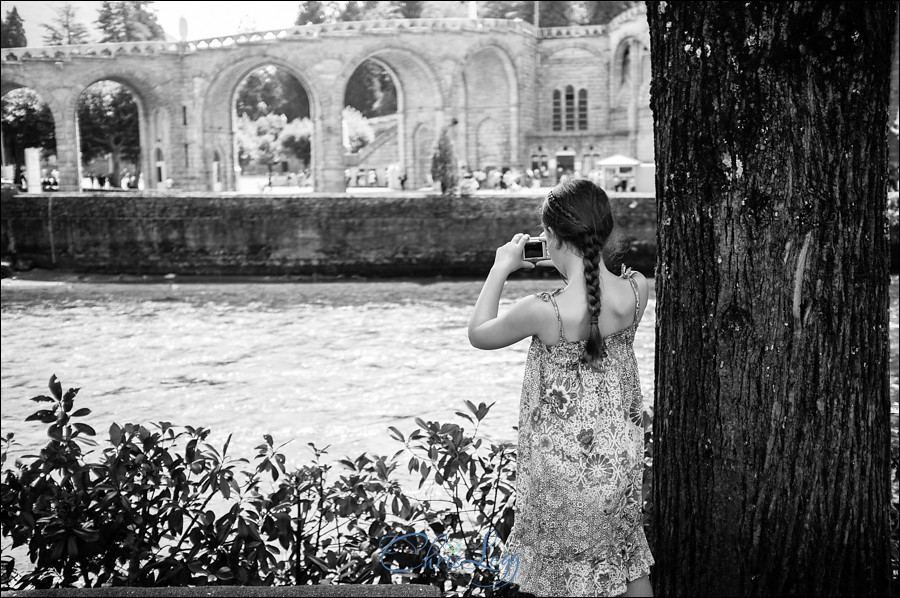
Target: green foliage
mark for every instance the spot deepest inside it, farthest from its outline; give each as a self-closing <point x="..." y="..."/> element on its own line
<point x="258" y="139"/>
<point x="108" y="124"/>
<point x="161" y="506"/>
<point x="272" y="90"/>
<point x="13" y="31"/>
<point x="312" y="13"/>
<point x="295" y="139"/>
<point x="26" y="122"/>
<point x="359" y="132"/>
<point x="371" y="90"/>
<point x="65" y="30"/>
<point x="443" y="163"/>
<point x="128" y="22"/>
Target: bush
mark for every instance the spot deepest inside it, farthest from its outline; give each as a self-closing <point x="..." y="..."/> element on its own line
<point x="443" y="164"/>
<point x="145" y="511"/>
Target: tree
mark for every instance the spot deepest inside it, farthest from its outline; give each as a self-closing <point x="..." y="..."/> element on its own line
<point x="295" y="139"/>
<point x="258" y="140"/>
<point x="603" y="12"/>
<point x="65" y="30"/>
<point x="410" y="9"/>
<point x="444" y="168"/>
<point x="313" y="13"/>
<point x="108" y="124"/>
<point x="371" y="90"/>
<point x="13" y="35"/>
<point x="270" y="89"/>
<point x="26" y="122"/>
<point x="359" y="132"/>
<point x="772" y="443"/>
<point x="128" y="22"/>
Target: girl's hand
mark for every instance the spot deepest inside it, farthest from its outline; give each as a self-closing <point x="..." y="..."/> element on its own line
<point x="509" y="257"/>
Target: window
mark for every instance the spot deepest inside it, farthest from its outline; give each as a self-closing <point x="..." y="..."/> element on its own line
<point x="570" y="108"/>
<point x="624" y="74"/>
<point x="582" y="110"/>
<point x="557" y="110"/>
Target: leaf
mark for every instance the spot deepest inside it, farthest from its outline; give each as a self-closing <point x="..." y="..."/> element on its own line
<point x="81" y="412"/>
<point x="84" y="428"/>
<point x="42" y="398"/>
<point x="115" y="434"/>
<point x="70" y="394"/>
<point x="41" y="415"/>
<point x="421" y="423"/>
<point x="55" y="432"/>
<point x="397" y="434"/>
<point x="55" y="387"/>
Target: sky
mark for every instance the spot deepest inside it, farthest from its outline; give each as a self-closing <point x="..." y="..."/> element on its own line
<point x="205" y="19"/>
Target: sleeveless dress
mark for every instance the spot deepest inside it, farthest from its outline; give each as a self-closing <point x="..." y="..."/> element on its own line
<point x="578" y="525"/>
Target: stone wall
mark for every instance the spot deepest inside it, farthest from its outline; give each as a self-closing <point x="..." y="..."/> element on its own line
<point x="388" y="235"/>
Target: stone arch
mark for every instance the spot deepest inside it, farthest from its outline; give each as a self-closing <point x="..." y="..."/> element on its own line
<point x="423" y="142"/>
<point x="420" y="101"/>
<point x="384" y="153"/>
<point x="494" y="99"/>
<point x="10" y="85"/>
<point x="142" y="90"/>
<point x="626" y="69"/>
<point x="218" y="113"/>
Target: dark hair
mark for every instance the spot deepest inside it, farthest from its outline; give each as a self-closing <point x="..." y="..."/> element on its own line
<point x="579" y="213"/>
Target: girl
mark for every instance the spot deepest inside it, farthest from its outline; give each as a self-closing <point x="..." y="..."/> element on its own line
<point x="577" y="529"/>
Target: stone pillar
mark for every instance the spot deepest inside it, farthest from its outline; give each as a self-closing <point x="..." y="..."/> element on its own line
<point x="67" y="142"/>
<point x="330" y="166"/>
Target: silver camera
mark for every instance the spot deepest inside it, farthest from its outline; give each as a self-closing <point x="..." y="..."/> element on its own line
<point x="535" y="250"/>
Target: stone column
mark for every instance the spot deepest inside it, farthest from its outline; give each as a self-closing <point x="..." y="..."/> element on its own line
<point x="329" y="164"/>
<point x="63" y="108"/>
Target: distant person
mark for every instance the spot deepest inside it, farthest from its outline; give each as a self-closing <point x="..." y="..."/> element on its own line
<point x="574" y="473"/>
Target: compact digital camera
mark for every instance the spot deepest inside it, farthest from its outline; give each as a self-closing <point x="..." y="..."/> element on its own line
<point x="535" y="250"/>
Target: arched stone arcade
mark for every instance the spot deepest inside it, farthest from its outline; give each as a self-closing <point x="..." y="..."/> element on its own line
<point x="491" y="75"/>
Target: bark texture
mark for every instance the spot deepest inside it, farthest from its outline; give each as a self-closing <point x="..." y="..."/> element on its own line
<point x="772" y="456"/>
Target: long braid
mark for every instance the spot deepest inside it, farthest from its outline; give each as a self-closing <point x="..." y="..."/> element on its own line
<point x="595" y="349"/>
<point x="579" y="213"/>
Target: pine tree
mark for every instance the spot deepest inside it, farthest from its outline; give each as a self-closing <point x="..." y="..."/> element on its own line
<point x="65" y="30"/>
<point x="13" y="30"/>
<point x="128" y="22"/>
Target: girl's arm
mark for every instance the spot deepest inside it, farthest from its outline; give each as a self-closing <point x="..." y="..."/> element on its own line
<point x="486" y="330"/>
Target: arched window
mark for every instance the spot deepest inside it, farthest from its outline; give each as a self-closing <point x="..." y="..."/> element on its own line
<point x="570" y="108"/>
<point x="582" y="110"/>
<point x="557" y="110"/>
<point x="625" y="66"/>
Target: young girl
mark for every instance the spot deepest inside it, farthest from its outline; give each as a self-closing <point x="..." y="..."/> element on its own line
<point x="577" y="528"/>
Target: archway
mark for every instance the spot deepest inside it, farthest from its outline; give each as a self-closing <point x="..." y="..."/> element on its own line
<point x="491" y="94"/>
<point x="273" y="133"/>
<point x="371" y="128"/>
<point x="420" y="106"/>
<point x="109" y="118"/>
<point x="27" y="122"/>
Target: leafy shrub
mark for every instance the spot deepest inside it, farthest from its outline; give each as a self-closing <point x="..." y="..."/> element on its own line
<point x="161" y="506"/>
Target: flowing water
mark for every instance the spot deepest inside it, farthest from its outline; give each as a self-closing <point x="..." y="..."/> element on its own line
<point x="330" y="363"/>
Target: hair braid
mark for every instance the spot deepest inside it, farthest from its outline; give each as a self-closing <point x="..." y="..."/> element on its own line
<point x="579" y="214"/>
<point x="595" y="350"/>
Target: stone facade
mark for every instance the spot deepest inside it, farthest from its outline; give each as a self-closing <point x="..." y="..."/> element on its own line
<point x="496" y="77"/>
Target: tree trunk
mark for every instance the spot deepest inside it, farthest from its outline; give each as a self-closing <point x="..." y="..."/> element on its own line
<point x="115" y="177"/>
<point x="772" y="458"/>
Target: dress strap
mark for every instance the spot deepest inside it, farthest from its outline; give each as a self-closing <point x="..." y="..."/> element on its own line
<point x="637" y="300"/>
<point x="546" y="295"/>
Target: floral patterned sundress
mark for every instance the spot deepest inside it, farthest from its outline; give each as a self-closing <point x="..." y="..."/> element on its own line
<point x="577" y="528"/>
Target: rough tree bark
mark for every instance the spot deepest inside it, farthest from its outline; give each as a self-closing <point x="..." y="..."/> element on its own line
<point x="772" y="457"/>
